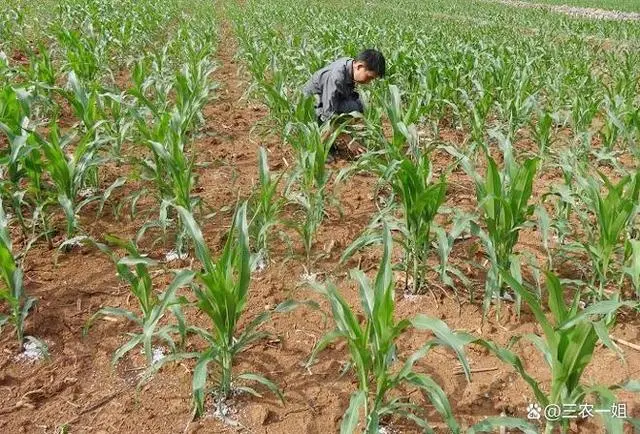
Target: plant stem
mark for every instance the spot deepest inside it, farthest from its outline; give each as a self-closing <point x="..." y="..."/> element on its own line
<point x="225" y="382"/>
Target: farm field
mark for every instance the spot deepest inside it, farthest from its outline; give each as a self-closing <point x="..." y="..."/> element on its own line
<point x="178" y="256"/>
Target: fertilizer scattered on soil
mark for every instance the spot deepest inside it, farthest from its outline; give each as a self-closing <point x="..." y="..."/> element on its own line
<point x="33" y="352"/>
<point x="173" y="255"/>
<point x="158" y="354"/>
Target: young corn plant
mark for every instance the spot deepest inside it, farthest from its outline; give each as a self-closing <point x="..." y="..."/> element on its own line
<point x="373" y="352"/>
<point x="503" y="202"/>
<point x="22" y="166"/>
<point x="15" y="111"/>
<point x="117" y="110"/>
<point x="193" y="84"/>
<point x="84" y="51"/>
<point x="221" y="294"/>
<point x="568" y="343"/>
<point x="613" y="215"/>
<point x="12" y="291"/>
<point x="477" y="111"/>
<point x="266" y="206"/>
<point x="312" y="144"/>
<point x="42" y="72"/>
<point x="565" y="202"/>
<point x="632" y="267"/>
<point x="402" y="122"/>
<point x="542" y="131"/>
<point x="170" y="158"/>
<point x="68" y="172"/>
<point x="270" y="86"/>
<point x="420" y="200"/>
<point x="168" y="137"/>
<point x="86" y="103"/>
<point x="134" y="269"/>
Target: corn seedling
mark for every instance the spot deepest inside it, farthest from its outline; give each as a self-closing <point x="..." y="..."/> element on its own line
<point x="266" y="206"/>
<point x="402" y="122"/>
<point x="312" y="144"/>
<point x="503" y="201"/>
<point x="84" y="51"/>
<point x="12" y="291"/>
<point x="221" y="294"/>
<point x="116" y="109"/>
<point x="68" y="173"/>
<point x="568" y="343"/>
<point x="542" y="132"/>
<point x="42" y="72"/>
<point x="134" y="269"/>
<point x="373" y="352"/>
<point x="420" y="199"/>
<point x="85" y="103"/>
<point x="168" y="136"/>
<point x="613" y="215"/>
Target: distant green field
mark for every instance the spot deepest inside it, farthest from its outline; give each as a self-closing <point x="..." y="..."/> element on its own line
<point x="619" y="5"/>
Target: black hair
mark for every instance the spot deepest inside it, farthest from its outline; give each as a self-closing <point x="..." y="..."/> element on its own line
<point x="374" y="60"/>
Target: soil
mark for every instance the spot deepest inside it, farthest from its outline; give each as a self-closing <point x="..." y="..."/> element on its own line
<point x="78" y="386"/>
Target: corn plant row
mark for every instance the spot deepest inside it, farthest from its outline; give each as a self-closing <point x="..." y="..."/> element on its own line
<point x="62" y="122"/>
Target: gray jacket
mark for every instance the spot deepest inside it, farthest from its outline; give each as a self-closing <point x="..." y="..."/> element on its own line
<point x="334" y="89"/>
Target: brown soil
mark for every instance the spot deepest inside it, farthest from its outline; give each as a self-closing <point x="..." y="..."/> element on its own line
<point x="79" y="387"/>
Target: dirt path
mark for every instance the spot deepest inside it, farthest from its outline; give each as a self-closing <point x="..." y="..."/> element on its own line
<point x="575" y="11"/>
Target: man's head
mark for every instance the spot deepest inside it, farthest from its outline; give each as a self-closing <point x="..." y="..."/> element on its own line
<point x="368" y="65"/>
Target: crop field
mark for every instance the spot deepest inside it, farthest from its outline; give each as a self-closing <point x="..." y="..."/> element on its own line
<point x="177" y="254"/>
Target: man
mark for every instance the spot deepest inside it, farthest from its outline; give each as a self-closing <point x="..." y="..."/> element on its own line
<point x="334" y="85"/>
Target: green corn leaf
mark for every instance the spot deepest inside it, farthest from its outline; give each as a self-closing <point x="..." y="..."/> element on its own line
<point x="535" y="307"/>
<point x="199" y="381"/>
<point x="352" y="415"/>
<point x="367" y="295"/>
<point x="124" y="349"/>
<point x="418" y="421"/>
<point x="632" y="386"/>
<point x="407" y="368"/>
<point x="437" y="397"/>
<point x="602" y="331"/>
<point x="601" y="308"/>
<point x="455" y="340"/>
<point x="28" y="303"/>
<point x="111" y="311"/>
<point x="556" y="298"/>
<point x="265" y="382"/>
<point x="182" y="278"/>
<point x="542" y="346"/>
<point x="107" y="193"/>
<point x="325" y="341"/>
<point x="202" y="251"/>
<point x="514" y="361"/>
<point x="249" y="390"/>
